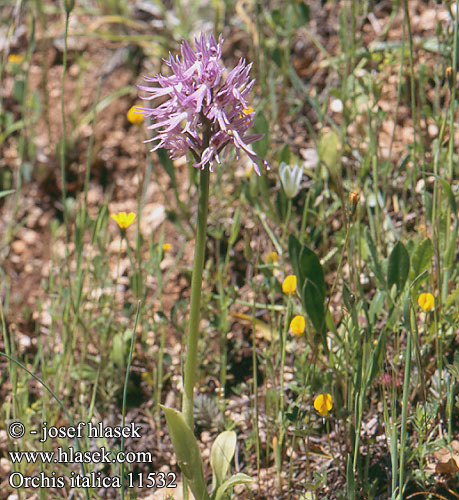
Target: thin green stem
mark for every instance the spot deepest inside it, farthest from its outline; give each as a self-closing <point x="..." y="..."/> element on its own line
<point x="64" y="137"/>
<point x="255" y="391"/>
<point x="287" y="220"/>
<point x="195" y="304"/>
<point x="406" y="388"/>
<point x="126" y="380"/>
<point x="453" y="96"/>
<point x="282" y="374"/>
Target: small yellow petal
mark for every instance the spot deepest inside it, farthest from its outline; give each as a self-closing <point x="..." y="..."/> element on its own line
<point x="246" y="111"/>
<point x="271" y="258"/>
<point x="323" y="404"/>
<point x="297" y="325"/>
<point x="15" y="58"/>
<point x="426" y="301"/>
<point x="289" y="284"/>
<point x="166" y="247"/>
<point x="134" y="116"/>
<point x="130" y="218"/>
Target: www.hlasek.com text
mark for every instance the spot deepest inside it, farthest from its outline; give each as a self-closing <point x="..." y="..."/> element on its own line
<point x="70" y="455"/>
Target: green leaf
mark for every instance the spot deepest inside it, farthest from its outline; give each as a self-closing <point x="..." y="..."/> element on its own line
<point x="284" y="155"/>
<point x="311" y="269"/>
<point x="221" y="454"/>
<point x="313" y="288"/>
<point x="376" y="305"/>
<point x="398" y="267"/>
<point x="377" y="269"/>
<point x="235" y="226"/>
<point x="6" y="193"/>
<point x="232" y="481"/>
<point x="117" y="350"/>
<point x="294" y="249"/>
<point x="310" y="275"/>
<point x="450" y="251"/>
<point x="421" y="257"/>
<point x="314" y="304"/>
<point x="187" y="451"/>
<point x="450" y="195"/>
<point x="376" y="359"/>
<point x="329" y="152"/>
<point x="261" y="126"/>
<point x="304" y="13"/>
<point x="277" y="17"/>
<point x="19" y="91"/>
<point x="135" y="282"/>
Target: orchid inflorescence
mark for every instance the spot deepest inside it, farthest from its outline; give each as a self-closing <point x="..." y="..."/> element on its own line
<point x="204" y="112"/>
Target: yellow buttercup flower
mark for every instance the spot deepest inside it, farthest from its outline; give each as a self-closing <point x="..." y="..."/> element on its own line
<point x="134" y="116"/>
<point x="166" y="247"/>
<point x="15" y="58"/>
<point x="426" y="301"/>
<point x="297" y="325"/>
<point x="289" y="284"/>
<point x="271" y="258"/>
<point x="323" y="404"/>
<point x="123" y="219"/>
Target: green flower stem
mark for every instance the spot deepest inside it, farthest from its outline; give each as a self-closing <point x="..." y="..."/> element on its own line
<point x="195" y="305"/>
<point x="282" y="377"/>
<point x="126" y="380"/>
<point x="406" y="388"/>
<point x="287" y="220"/>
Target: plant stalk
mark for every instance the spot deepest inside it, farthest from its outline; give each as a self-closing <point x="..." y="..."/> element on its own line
<point x="195" y="303"/>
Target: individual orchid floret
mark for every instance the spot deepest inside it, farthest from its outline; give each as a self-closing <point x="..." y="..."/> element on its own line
<point x="205" y="109"/>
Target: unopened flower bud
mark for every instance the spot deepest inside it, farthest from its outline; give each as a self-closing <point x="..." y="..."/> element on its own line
<point x="68" y="5"/>
<point x="449" y="72"/>
<point x="353" y="201"/>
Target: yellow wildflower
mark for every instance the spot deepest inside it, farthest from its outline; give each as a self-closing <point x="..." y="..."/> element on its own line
<point x="323" y="404"/>
<point x="289" y="284"/>
<point x="271" y="258"/>
<point x="426" y="301"/>
<point x="297" y="325"/>
<point x="15" y="58"/>
<point x="166" y="247"/>
<point x="123" y="219"/>
<point x="134" y="116"/>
